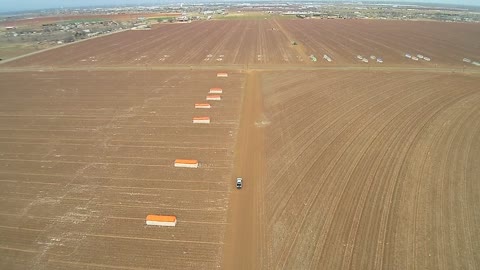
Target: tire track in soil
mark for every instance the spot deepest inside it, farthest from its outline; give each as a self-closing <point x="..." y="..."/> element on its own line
<point x="407" y="135"/>
<point x="262" y="47"/>
<point x="245" y="236"/>
<point x="310" y="128"/>
<point x="386" y="219"/>
<point x="420" y="225"/>
<point x="299" y="48"/>
<point x="351" y="168"/>
<point x="394" y="140"/>
<point x="316" y="130"/>
<point x="411" y="129"/>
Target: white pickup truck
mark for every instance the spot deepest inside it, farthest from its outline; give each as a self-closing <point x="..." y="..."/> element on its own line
<point x="239" y="182"/>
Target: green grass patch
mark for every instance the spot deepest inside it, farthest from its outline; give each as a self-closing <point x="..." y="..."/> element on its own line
<point x="85" y="20"/>
<point x="8" y="50"/>
<point x="160" y="19"/>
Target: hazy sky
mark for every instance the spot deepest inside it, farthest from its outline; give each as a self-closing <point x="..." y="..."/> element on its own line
<point x="16" y="5"/>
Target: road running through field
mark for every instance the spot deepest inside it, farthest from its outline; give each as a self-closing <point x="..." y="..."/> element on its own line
<point x="245" y="236"/>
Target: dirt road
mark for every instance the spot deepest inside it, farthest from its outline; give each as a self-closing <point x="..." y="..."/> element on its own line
<point x="361" y="167"/>
<point x="300" y="49"/>
<point x="245" y="235"/>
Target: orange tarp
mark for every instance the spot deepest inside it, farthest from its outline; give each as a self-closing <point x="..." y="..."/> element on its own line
<point x="215" y="89"/>
<point x="213" y="96"/>
<point x="201" y="104"/>
<point x="186" y="161"/>
<point x="201" y="118"/>
<point x="161" y="218"/>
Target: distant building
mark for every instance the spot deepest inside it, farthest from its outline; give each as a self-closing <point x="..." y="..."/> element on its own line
<point x="182" y="19"/>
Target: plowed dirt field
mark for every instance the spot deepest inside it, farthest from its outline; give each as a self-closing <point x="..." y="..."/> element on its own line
<point x="260" y="42"/>
<point x="205" y="42"/>
<point x="446" y="44"/>
<point x="346" y="165"/>
<point x="84" y="157"/>
<point x="372" y="170"/>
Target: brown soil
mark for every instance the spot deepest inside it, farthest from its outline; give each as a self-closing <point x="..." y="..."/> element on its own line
<point x="345" y="166"/>
<point x="85" y="156"/>
<point x="206" y="43"/>
<point x="372" y="170"/>
<point x="445" y="43"/>
<point x="246" y="210"/>
<point x="261" y="42"/>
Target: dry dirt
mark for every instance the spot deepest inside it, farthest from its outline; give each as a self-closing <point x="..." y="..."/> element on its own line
<point x="205" y="42"/>
<point x="345" y="166"/>
<point x="372" y="170"/>
<point x="84" y="157"/>
<point x="445" y="43"/>
<point x="246" y="239"/>
<point x="260" y="42"/>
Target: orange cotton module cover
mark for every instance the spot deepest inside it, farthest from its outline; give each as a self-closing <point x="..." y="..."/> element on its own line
<point x="222" y="74"/>
<point x="201" y="120"/>
<point x="202" y="105"/>
<point x="160" y="220"/>
<point x="186" y="161"/>
<point x="214" y="97"/>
